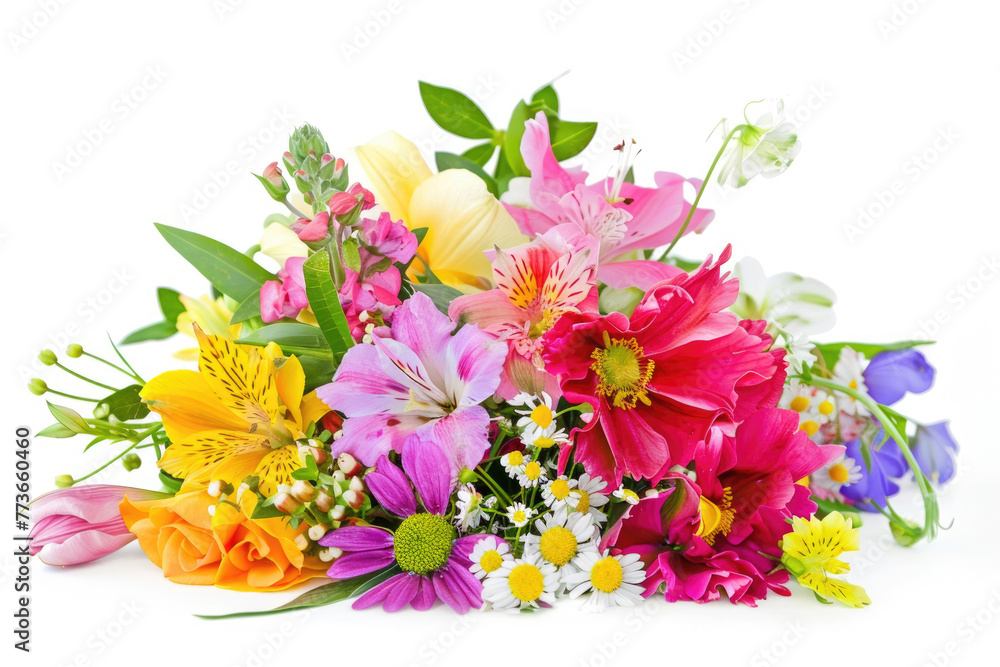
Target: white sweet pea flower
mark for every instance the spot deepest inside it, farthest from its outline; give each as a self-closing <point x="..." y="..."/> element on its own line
<point x="765" y="146"/>
<point x="796" y="305"/>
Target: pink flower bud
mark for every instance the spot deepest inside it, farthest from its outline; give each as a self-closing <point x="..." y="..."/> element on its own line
<point x="366" y="196"/>
<point x="349" y="465"/>
<point x="288" y="158"/>
<point x="339" y="168"/>
<point x="354" y="498"/>
<point x="342" y="203"/>
<point x="285" y="503"/>
<point x="312" y="231"/>
<point x="303" y="491"/>
<point x="338" y="512"/>
<point x="273" y="175"/>
<point x="323" y="501"/>
<point x="357" y="485"/>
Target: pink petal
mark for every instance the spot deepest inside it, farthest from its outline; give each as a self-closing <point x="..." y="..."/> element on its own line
<point x="391" y="488"/>
<point x="356" y="564"/>
<point x="430" y="468"/>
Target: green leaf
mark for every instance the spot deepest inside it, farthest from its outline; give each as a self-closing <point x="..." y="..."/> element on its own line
<point x="827" y="506"/>
<point x="569" y="138"/>
<point x="831" y="351"/>
<point x="158" y="331"/>
<point x="318" y="371"/>
<point x="171" y="483"/>
<point x="898" y="420"/>
<point x="265" y="510"/>
<point x="249" y="309"/>
<point x="324" y="595"/>
<point x="125" y="404"/>
<point x="512" y="144"/>
<point x="547" y="96"/>
<point x="69" y="418"/>
<point x="452" y="161"/>
<point x="352" y="255"/>
<point x="480" y="154"/>
<point x="292" y="337"/>
<point x="325" y="303"/>
<point x="455" y="112"/>
<point x="56" y="431"/>
<point x="441" y="295"/>
<point x="170" y="304"/>
<point x="230" y="271"/>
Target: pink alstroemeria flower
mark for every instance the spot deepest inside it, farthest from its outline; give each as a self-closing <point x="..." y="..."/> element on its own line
<point x="537" y="283"/>
<point x="285" y="297"/>
<point x="81" y="524"/>
<point x="625" y="218"/>
<point x="421" y="380"/>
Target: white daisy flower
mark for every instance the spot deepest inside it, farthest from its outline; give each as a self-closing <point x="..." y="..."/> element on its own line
<point x="840" y="472"/>
<point x="614" y="581"/>
<point x="628" y="495"/>
<point x="521" y="583"/>
<point x="588" y="496"/>
<point x="538" y="421"/>
<point x="849" y="371"/>
<point x="513" y="462"/>
<point x="556" y="493"/>
<point x="488" y="555"/>
<point x="561" y="536"/>
<point x="814" y="406"/>
<point x="470" y="507"/>
<point x="532" y="474"/>
<point x="519" y="515"/>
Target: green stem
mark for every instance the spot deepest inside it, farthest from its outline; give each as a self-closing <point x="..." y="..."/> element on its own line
<point x="336" y="261"/>
<point x="85" y="379"/>
<point x="494" y="487"/>
<point x="701" y="190"/>
<point x="75" y="398"/>
<point x="94" y="472"/>
<point x="114" y="366"/>
<point x="931" y="510"/>
<point x="296" y="212"/>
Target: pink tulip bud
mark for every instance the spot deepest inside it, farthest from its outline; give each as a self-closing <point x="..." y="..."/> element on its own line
<point x="342" y="203"/>
<point x="81" y="524"/>
<point x="349" y="465"/>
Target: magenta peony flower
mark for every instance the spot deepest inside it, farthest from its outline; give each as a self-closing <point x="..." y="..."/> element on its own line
<point x="658" y="381"/>
<point x="81" y="524"/>
<point x="435" y="565"/>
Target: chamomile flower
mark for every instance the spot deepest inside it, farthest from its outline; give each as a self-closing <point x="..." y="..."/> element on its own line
<point x="488" y="555"/>
<point x="555" y="494"/>
<point x="628" y="495"/>
<point x="521" y="583"/>
<point x="849" y="371"/>
<point x="532" y="474"/>
<point x="840" y="472"/>
<point x="513" y="462"/>
<point x="561" y="536"/>
<point x="538" y="421"/>
<point x="588" y="496"/>
<point x="519" y="515"/>
<point x="814" y="406"/>
<point x="469" y="507"/>
<point x="614" y="581"/>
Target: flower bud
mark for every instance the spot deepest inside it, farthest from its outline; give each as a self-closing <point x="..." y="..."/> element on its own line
<point x="101" y="411"/>
<point x="331" y="422"/>
<point x="312" y="231"/>
<point x="131" y="461"/>
<point x="467" y="476"/>
<point x="342" y="203"/>
<point x="65" y="481"/>
<point x="303" y="491"/>
<point x="323" y="501"/>
<point x="274" y="183"/>
<point x="285" y="503"/>
<point x="354" y="498"/>
<point x="338" y="512"/>
<point x="37" y="386"/>
<point x="327" y="555"/>
<point x="301" y="541"/>
<point x="357" y="485"/>
<point x="365" y="195"/>
<point x="74" y="351"/>
<point x="215" y="488"/>
<point x="318" y="531"/>
<point x="48" y="357"/>
<point x="339" y="476"/>
<point x="349" y="465"/>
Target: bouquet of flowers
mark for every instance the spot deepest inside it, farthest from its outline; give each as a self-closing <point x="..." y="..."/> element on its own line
<point x="497" y="385"/>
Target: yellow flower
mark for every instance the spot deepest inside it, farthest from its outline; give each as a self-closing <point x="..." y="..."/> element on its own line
<point x="238" y="415"/>
<point x="461" y="216"/>
<point x="811" y="553"/>
<point x="211" y="315"/>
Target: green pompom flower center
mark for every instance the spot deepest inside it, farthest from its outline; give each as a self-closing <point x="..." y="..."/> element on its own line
<point x="422" y="543"/>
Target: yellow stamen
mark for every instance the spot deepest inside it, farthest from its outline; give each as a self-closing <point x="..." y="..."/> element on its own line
<point x="533" y="470"/>
<point x="515" y="458"/>
<point x="544" y="442"/>
<point x="716" y="520"/>
<point x="622" y="372"/>
<point x="826" y="408"/>
<point x="582" y="501"/>
<point x="839" y="473"/>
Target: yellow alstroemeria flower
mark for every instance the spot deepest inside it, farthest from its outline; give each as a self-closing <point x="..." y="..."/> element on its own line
<point x="811" y="553"/>
<point x="461" y="216"/>
<point x="211" y="315"/>
<point x="238" y="415"/>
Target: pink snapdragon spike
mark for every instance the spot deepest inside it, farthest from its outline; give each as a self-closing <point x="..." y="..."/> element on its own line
<point x="623" y="217"/>
<point x="721" y="532"/>
<point x="421" y="380"/>
<point x="285" y="297"/>
<point x="315" y="230"/>
<point x="81" y="524"/>
<point x="537" y="283"/>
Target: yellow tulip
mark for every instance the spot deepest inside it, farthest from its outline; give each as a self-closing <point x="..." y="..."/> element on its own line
<point x="462" y="218"/>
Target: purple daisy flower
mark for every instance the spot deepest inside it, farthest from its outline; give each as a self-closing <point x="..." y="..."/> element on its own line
<point x="435" y="565"/>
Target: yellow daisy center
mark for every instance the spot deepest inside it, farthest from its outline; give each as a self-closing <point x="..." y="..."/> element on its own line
<point x="607" y="575"/>
<point x="544" y="442"/>
<point x="422" y="543"/>
<point x="810" y="427"/>
<point x="520" y="516"/>
<point x="826" y="408"/>
<point x="515" y="458"/>
<point x="533" y="470"/>
<point x="839" y="473"/>
<point x="491" y="561"/>
<point x="622" y="372"/>
<point x="557" y="545"/>
<point x="559" y="489"/>
<point x="799" y="404"/>
<point x="629" y="494"/>
<point x="715" y="519"/>
<point x="853" y="384"/>
<point x="583" y="502"/>
<point x="542" y="416"/>
<point x="526" y="582"/>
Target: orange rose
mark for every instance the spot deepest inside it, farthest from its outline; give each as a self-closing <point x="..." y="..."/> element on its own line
<point x="228" y="550"/>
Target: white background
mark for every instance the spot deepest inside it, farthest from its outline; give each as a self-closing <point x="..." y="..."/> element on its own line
<point x="873" y="84"/>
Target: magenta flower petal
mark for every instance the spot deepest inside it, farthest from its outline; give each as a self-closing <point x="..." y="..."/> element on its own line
<point x="363" y="562"/>
<point x="391" y="488"/>
<point x="425" y="597"/>
<point x="447" y="593"/>
<point x="362" y="388"/>
<point x="463" y="433"/>
<point x="470" y="351"/>
<point x="420" y="326"/>
<point x="463" y="580"/>
<point x="402" y="593"/>
<point x="369" y="437"/>
<point x="426" y="463"/>
<point x="379" y="594"/>
<point x="357" y="538"/>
